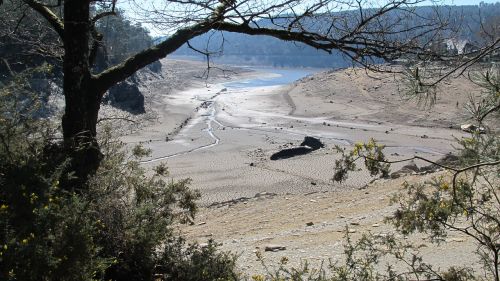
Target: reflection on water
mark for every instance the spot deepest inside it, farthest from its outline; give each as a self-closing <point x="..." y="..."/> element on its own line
<point x="276" y="77"/>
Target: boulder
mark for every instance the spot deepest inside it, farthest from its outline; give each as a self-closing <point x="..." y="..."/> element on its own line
<point x="309" y="144"/>
<point x="411" y="167"/>
<point x="471" y="128"/>
<point x="406" y="170"/>
<point x="274" y="248"/>
<point x="312" y="142"/>
<point x="449" y="159"/>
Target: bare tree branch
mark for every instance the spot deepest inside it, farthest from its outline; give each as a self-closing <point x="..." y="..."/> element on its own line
<point x="50" y="16"/>
<point x="118" y="73"/>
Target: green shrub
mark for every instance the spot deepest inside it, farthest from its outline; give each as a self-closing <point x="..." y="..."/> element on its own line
<point x="120" y="228"/>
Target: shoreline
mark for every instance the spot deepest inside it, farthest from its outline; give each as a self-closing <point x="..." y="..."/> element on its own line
<point x="249" y="201"/>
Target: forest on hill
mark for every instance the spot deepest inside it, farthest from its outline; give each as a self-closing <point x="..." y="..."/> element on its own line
<point x="464" y="22"/>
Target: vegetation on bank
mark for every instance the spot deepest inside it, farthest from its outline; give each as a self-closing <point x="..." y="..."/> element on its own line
<point x="120" y="228"/>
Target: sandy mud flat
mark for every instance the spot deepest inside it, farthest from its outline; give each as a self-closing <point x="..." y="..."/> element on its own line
<point x="221" y="133"/>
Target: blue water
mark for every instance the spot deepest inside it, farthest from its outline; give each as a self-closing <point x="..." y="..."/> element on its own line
<point x="286" y="76"/>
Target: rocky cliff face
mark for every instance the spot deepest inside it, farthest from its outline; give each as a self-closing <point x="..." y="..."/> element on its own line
<point x="126" y="96"/>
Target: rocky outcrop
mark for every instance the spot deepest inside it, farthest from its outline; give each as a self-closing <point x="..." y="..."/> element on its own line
<point x="126" y="96"/>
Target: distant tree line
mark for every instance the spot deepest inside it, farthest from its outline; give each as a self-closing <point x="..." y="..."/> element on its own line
<point x="470" y="25"/>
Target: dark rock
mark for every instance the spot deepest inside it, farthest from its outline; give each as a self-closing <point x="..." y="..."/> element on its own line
<point x="310" y="223"/>
<point x="312" y="142"/>
<point x="411" y="167"/>
<point x="406" y="170"/>
<point x="308" y="145"/>
<point x="396" y="175"/>
<point x="206" y="104"/>
<point x="449" y="159"/>
<point x="126" y="96"/>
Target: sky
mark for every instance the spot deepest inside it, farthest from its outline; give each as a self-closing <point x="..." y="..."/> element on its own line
<point x="155" y="32"/>
<point x="468" y="2"/>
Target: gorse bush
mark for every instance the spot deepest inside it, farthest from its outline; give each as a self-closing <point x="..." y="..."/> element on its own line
<point x="46" y="232"/>
<point x="119" y="228"/>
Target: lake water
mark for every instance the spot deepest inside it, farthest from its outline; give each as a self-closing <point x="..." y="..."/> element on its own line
<point x="276" y="77"/>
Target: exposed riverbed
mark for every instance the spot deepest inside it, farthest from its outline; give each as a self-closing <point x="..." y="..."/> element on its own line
<point x="221" y="134"/>
<point x="230" y="129"/>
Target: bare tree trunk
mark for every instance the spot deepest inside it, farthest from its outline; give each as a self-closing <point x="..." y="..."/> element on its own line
<point x="82" y="97"/>
<point x="83" y="91"/>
